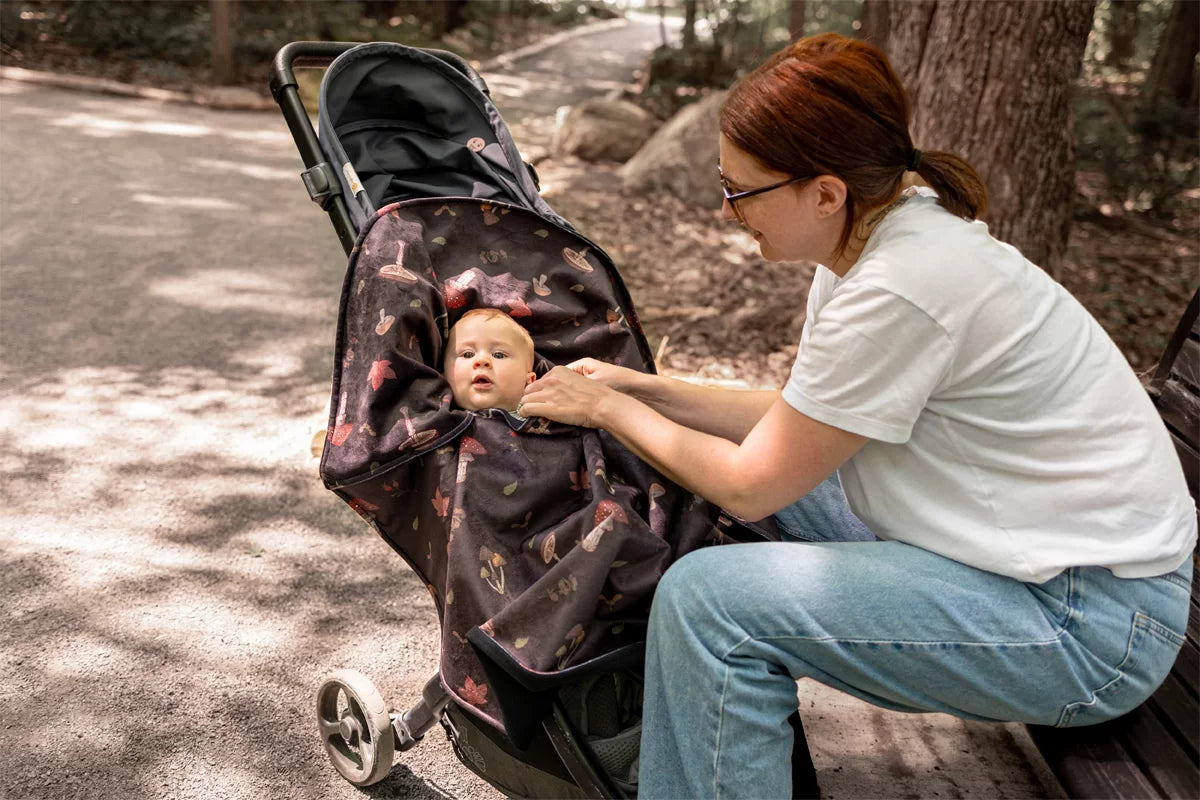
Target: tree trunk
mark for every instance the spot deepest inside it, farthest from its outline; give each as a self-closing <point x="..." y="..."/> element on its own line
<point x="992" y="82"/>
<point x="221" y="45"/>
<point x="873" y="23"/>
<point x="689" y="24"/>
<point x="1122" y="31"/>
<point x="796" y="19"/>
<point x="1172" y="75"/>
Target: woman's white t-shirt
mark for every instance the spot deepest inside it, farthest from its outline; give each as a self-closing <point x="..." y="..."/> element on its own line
<point x="1007" y="430"/>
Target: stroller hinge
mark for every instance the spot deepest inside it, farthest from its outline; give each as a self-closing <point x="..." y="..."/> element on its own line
<point x="322" y="184"/>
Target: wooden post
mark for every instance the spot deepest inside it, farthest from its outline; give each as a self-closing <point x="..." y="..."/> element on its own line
<point x="221" y="49"/>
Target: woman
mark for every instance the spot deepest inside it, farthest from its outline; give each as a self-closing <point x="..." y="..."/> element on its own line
<point x="1025" y="555"/>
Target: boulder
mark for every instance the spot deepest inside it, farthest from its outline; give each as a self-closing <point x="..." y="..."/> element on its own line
<point x="602" y="129"/>
<point x="681" y="157"/>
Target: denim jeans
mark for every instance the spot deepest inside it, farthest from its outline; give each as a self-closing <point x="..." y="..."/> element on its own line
<point x="732" y="628"/>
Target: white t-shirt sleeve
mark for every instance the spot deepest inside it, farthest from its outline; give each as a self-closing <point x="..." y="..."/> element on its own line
<point x="868" y="363"/>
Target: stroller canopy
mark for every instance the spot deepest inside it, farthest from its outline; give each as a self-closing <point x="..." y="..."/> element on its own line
<point x="401" y="123"/>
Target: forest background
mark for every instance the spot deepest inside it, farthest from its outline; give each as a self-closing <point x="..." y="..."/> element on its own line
<point x="1082" y="116"/>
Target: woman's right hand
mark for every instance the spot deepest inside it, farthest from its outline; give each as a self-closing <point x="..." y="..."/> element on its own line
<point x="613" y="376"/>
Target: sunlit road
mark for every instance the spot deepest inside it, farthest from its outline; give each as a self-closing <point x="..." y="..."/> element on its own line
<point x="176" y="581"/>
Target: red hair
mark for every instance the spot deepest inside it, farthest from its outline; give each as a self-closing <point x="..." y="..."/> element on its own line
<point x="829" y="105"/>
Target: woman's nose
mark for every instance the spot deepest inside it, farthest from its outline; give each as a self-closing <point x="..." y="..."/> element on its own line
<point x="727" y="211"/>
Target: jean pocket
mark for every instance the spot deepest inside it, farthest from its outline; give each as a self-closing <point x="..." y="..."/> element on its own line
<point x="1149" y="655"/>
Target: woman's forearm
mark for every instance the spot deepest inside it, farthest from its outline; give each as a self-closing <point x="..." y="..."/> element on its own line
<point x="728" y="413"/>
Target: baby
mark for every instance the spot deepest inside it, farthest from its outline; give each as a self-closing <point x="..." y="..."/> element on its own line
<point x="489" y="360"/>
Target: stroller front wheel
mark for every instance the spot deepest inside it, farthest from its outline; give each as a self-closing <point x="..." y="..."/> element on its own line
<point x="355" y="727"/>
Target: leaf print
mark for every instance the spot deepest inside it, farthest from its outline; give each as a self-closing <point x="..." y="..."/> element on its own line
<point x="517" y="308"/>
<point x="441" y="503"/>
<point x="489" y="216"/>
<point x="415" y="303"/>
<point x="574" y="639"/>
<point x="578" y="287"/>
<point x="450" y="597"/>
<point x="576" y="484"/>
<point x="542" y="232"/>
<point x="360" y="505"/>
<point x="521" y="642"/>
<point x="510" y="488"/>
<point x="474" y="693"/>
<point x="380" y="371"/>
<point x="439" y="240"/>
<point x="339" y="433"/>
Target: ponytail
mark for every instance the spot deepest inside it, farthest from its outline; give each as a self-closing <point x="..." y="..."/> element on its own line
<point x="959" y="188"/>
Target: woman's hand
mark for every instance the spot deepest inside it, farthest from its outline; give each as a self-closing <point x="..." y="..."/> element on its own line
<point x="611" y="375"/>
<point x="565" y="395"/>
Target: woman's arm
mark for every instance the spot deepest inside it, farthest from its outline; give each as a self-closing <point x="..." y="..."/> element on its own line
<point x="784" y="455"/>
<point x="728" y="413"/>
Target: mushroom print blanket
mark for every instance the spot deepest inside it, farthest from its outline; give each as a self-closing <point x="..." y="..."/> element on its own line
<point x="547" y="539"/>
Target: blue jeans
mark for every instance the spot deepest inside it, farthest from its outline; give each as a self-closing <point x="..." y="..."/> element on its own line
<point x="732" y="628"/>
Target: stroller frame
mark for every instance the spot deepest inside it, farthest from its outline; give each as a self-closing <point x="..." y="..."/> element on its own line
<point x="359" y="734"/>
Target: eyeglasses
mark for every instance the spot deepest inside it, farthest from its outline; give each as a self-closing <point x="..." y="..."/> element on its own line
<point x="732" y="197"/>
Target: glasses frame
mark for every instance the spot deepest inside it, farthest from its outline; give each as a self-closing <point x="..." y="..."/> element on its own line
<point x="732" y="197"/>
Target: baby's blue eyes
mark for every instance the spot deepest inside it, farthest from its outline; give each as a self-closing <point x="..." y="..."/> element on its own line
<point x="471" y="354"/>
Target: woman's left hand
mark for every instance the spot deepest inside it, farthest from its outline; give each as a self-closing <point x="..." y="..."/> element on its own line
<point x="565" y="396"/>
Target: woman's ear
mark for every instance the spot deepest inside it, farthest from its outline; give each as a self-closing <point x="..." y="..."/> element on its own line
<point x="831" y="195"/>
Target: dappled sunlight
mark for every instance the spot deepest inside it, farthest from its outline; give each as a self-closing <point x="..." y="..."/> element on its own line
<point x="229" y="290"/>
<point x="255" y="171"/>
<point x="108" y="126"/>
<point x="194" y="203"/>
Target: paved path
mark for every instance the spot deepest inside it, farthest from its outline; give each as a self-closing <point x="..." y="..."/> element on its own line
<point x="176" y="581"/>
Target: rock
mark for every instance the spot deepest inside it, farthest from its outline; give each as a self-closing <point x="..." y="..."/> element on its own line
<point x="681" y="157"/>
<point x="602" y="130"/>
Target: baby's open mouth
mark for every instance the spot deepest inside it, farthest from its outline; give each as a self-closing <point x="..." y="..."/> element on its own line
<point x="481" y="380"/>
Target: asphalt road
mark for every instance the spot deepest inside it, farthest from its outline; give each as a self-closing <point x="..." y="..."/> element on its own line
<point x="176" y="581"/>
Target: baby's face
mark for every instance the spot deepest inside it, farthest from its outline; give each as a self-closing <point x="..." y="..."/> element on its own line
<point x="488" y="363"/>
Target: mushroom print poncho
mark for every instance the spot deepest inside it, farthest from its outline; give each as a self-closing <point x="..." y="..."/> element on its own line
<point x="541" y="543"/>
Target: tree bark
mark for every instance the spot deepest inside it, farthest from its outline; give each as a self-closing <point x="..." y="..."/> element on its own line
<point x="796" y="19"/>
<point x="992" y="82"/>
<point x="1122" y="31"/>
<point x="1172" y="75"/>
<point x="689" y="24"/>
<point x="221" y="44"/>
<point x="873" y="23"/>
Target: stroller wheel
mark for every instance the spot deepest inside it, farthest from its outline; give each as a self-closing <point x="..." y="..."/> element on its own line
<point x="355" y="727"/>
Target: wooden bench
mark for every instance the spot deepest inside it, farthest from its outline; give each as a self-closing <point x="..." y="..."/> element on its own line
<point x="1150" y="752"/>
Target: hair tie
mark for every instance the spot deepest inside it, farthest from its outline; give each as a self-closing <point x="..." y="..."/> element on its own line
<point x="914" y="159"/>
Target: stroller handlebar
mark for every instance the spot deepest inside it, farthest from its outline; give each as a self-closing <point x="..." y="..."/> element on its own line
<point x="317" y="55"/>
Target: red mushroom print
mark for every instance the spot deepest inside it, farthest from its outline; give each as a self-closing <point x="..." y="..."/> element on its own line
<point x="338" y="434"/>
<point x="472" y="446"/>
<point x="517" y="308"/>
<point x="577" y="259"/>
<point x="608" y="514"/>
<point x="454" y="289"/>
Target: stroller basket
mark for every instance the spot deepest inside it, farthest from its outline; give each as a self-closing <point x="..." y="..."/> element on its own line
<point x="540" y="543"/>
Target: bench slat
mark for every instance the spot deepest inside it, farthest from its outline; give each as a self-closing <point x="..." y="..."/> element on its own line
<point x="1186" y="367"/>
<point x="1190" y="460"/>
<point x="1180" y="409"/>
<point x="1155" y="750"/>
<point x="1179" y="711"/>
<point x="1090" y="762"/>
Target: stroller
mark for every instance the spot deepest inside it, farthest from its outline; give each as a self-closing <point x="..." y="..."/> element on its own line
<point x="540" y="543"/>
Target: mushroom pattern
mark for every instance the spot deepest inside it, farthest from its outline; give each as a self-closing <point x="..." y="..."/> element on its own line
<point x="467" y="450"/>
<point x="415" y="438"/>
<point x="453" y="289"/>
<point x="340" y="430"/>
<point x="608" y="514"/>
<point x="577" y="259"/>
<point x="395" y="272"/>
<point x="492" y="570"/>
<point x="574" y="638"/>
<point x="385" y="322"/>
<point x="658" y="515"/>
